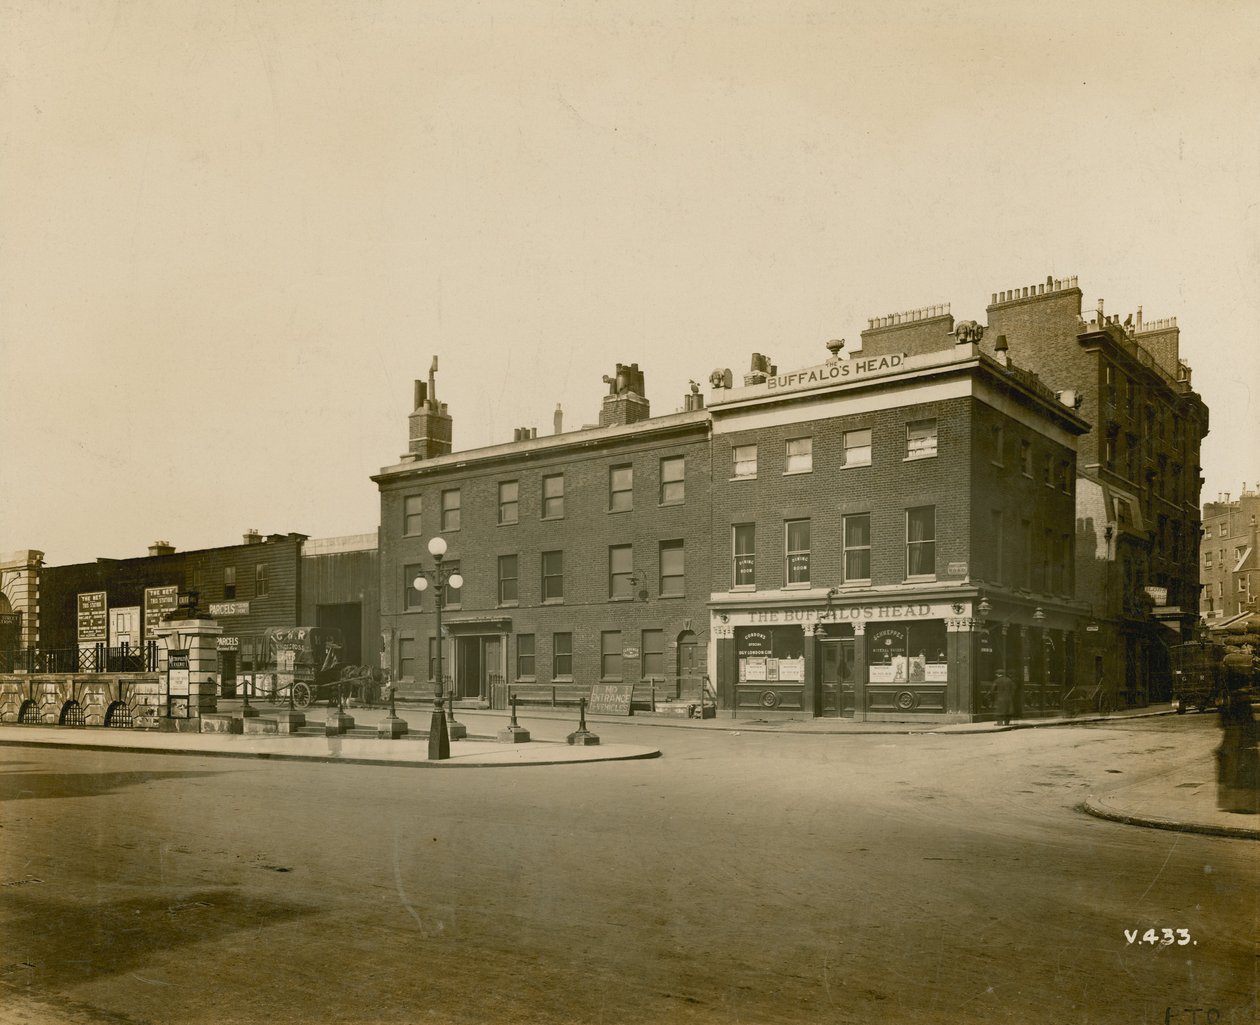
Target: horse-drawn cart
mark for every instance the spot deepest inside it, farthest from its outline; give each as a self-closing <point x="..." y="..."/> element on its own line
<point x="304" y="665"/>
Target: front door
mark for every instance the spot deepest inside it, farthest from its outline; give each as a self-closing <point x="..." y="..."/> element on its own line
<point x="835" y="682"/>
<point x="466" y="680"/>
<point x="689" y="671"/>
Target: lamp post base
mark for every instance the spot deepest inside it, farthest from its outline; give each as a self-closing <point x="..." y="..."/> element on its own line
<point x="439" y="739"/>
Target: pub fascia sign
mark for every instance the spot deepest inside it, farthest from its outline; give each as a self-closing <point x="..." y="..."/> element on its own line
<point x="833" y="373"/>
<point x="849" y="613"/>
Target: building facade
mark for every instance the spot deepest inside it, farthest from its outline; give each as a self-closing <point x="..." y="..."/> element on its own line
<point x="583" y="554"/>
<point x="870" y="537"/>
<point x="1138" y="469"/>
<point x="1230" y="557"/>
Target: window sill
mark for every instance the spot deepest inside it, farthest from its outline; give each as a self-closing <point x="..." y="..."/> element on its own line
<point x="667" y="505"/>
<point x="613" y="512"/>
<point x="804" y="585"/>
<point x="525" y="679"/>
<point x="505" y="605"/>
<point x="621" y="597"/>
<point x="668" y="597"/>
<point x="854" y="466"/>
<point x="746" y="476"/>
<point x="544" y="518"/>
<point x="915" y="459"/>
<point x="796" y="473"/>
<point x="743" y="588"/>
<point x="856" y="584"/>
<point x="507" y="523"/>
<point x="553" y="601"/>
<point x="926" y="578"/>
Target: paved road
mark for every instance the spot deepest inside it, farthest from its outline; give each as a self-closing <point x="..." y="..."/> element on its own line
<point x="754" y="878"/>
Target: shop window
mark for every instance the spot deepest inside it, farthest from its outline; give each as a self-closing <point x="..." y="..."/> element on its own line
<point x="562" y="655"/>
<point x="450" y="509"/>
<point x="620" y="488"/>
<point x="744" y="555"/>
<point x="797" y="551"/>
<point x="507" y="579"/>
<point x="413" y="505"/>
<point x="920" y="439"/>
<point x="509" y="501"/>
<point x="857" y="448"/>
<point x="553" y="576"/>
<point x="921" y="541"/>
<point x="621" y="572"/>
<point x="799" y="457"/>
<point x="770" y="654"/>
<point x="672" y="569"/>
<point x="745" y="460"/>
<point x="652" y="654"/>
<point x="610" y="655"/>
<point x="553" y="496"/>
<point x="857" y="548"/>
<point x="524" y="656"/>
<point x="907" y="653"/>
<point x="673" y="483"/>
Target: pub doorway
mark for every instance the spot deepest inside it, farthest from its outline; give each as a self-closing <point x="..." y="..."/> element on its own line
<point x="835" y="697"/>
<point x="478" y="666"/>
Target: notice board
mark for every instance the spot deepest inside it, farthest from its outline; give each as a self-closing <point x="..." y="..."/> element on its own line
<point x="610" y="698"/>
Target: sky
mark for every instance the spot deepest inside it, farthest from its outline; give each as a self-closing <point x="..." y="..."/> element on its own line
<point x="232" y="233"/>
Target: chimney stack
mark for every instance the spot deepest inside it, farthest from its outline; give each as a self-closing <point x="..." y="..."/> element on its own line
<point x="161" y="548"/>
<point x="252" y="537"/>
<point x="557" y="420"/>
<point x="430" y="424"/>
<point x="625" y="402"/>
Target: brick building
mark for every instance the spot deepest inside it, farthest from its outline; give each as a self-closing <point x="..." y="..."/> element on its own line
<point x="583" y="554"/>
<point x="1138" y="472"/>
<point x="1230" y="556"/>
<point x="818" y="542"/>
<point x="248" y="588"/>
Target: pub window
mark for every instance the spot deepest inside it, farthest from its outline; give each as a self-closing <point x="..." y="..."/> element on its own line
<point x="921" y="541"/>
<point x="450" y="509"/>
<point x="920" y="439"/>
<point x="509" y="501"/>
<point x="672" y="569"/>
<point x="799" y="457"/>
<point x="610" y="655"/>
<point x="673" y="485"/>
<point x="260" y="580"/>
<point x="553" y="496"/>
<point x="229" y="581"/>
<point x="857" y="448"/>
<point x="797" y="551"/>
<point x="411" y="597"/>
<point x="412" y="506"/>
<point x="524" y="655"/>
<point x="553" y="576"/>
<point x="620" y="488"/>
<point x="652" y="653"/>
<point x="507" y="579"/>
<point x="620" y="571"/>
<point x="857" y="547"/>
<point x="744" y="555"/>
<point x="562" y="654"/>
<point x="745" y="460"/>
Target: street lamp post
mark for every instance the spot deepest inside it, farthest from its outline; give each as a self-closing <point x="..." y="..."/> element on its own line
<point x="440" y="732"/>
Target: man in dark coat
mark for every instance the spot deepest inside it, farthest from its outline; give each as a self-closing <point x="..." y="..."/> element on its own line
<point x="1003" y="698"/>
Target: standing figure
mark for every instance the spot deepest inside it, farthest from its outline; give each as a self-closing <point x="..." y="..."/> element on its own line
<point x="1003" y="698"/>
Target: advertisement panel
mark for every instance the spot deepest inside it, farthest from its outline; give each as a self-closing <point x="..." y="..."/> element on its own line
<point x="93" y="617"/>
<point x="158" y="601"/>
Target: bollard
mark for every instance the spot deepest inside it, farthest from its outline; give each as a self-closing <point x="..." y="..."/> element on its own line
<point x="247" y="710"/>
<point x="391" y="727"/>
<point x="582" y="737"/>
<point x="513" y="733"/>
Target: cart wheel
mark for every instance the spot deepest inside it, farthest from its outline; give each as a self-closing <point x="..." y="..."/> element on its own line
<point x="301" y="695"/>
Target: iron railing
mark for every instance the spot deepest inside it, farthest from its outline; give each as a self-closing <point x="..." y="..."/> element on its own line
<point x="91" y="658"/>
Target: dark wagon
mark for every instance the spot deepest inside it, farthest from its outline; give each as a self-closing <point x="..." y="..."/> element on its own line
<point x="305" y="665"/>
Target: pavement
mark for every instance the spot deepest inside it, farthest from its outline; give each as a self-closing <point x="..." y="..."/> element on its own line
<point x="1182" y="798"/>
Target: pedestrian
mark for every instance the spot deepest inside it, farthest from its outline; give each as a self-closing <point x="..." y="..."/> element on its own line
<point x="1003" y="698"/>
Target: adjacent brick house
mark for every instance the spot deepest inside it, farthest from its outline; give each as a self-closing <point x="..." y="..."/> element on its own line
<point x="1230" y="556"/>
